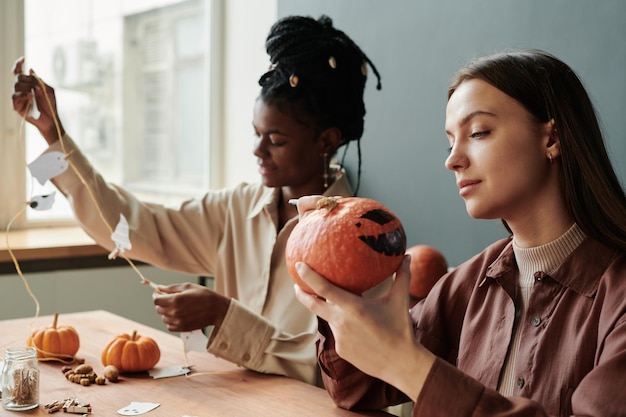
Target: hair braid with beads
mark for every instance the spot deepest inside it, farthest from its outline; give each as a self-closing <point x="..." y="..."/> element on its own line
<point x="320" y="70"/>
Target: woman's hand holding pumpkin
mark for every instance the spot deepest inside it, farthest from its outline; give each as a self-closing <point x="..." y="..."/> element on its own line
<point x="186" y="307"/>
<point x="366" y="330"/>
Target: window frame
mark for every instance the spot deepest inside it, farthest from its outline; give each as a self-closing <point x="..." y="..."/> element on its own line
<point x="14" y="186"/>
<point x="14" y="212"/>
<point x="242" y="58"/>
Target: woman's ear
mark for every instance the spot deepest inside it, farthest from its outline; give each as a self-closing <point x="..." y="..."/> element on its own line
<point x="330" y="139"/>
<point x="553" y="147"/>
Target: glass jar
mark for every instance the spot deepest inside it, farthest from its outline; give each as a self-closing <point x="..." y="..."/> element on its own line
<point x="20" y="379"/>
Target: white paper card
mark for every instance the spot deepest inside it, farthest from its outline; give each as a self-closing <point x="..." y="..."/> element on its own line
<point x="34" y="110"/>
<point x="48" y="165"/>
<point x="194" y="341"/>
<point x="168" y="371"/>
<point x="42" y="202"/>
<point x="120" y="235"/>
<point x="136" y="408"/>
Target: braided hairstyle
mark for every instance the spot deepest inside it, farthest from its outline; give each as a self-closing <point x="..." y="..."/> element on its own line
<point x="319" y="70"/>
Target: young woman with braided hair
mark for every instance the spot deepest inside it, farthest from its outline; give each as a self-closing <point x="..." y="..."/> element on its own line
<point x="311" y="103"/>
<point x="338" y="97"/>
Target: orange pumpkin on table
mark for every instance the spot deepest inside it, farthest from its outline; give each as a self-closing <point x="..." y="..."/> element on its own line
<point x="354" y="242"/>
<point x="131" y="353"/>
<point x="55" y="342"/>
<point x="427" y="265"/>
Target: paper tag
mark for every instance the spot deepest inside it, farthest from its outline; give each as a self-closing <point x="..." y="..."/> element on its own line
<point x="42" y="202"/>
<point x="48" y="165"/>
<point x="120" y="235"/>
<point x="34" y="110"/>
<point x="168" y="371"/>
<point x="194" y="341"/>
<point x="136" y="408"/>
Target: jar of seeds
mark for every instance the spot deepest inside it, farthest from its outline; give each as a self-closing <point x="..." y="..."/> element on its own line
<point x="20" y="379"/>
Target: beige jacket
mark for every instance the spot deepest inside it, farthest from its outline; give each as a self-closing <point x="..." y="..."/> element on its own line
<point x="230" y="235"/>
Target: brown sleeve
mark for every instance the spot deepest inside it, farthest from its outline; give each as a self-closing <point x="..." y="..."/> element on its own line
<point x="348" y="386"/>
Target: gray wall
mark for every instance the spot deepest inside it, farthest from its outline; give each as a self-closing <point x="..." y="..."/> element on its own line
<point x="417" y="46"/>
<point x="117" y="289"/>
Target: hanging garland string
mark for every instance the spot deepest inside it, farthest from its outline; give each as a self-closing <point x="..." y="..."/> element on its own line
<point x="144" y="280"/>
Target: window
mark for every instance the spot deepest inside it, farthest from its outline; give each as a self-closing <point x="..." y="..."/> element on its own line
<point x="132" y="81"/>
<point x="165" y="88"/>
<point x="99" y="57"/>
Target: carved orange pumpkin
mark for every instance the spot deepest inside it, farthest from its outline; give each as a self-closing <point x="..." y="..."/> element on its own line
<point x="54" y="342"/>
<point x="133" y="353"/>
<point x="427" y="265"/>
<point x="354" y="242"/>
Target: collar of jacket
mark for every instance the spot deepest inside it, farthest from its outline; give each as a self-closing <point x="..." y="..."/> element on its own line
<point x="270" y="197"/>
<point x="574" y="273"/>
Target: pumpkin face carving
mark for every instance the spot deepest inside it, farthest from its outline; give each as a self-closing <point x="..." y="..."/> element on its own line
<point x="354" y="242"/>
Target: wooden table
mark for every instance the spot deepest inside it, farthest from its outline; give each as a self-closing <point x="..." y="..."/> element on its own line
<point x="224" y="389"/>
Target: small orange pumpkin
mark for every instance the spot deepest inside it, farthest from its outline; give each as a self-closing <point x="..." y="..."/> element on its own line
<point x="54" y="342"/>
<point x="427" y="265"/>
<point x="354" y="242"/>
<point x="133" y="353"/>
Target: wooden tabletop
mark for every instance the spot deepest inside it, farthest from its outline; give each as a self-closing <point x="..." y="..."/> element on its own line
<point x="219" y="388"/>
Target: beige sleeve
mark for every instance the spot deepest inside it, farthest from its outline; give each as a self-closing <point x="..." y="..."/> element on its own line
<point x="169" y="238"/>
<point x="249" y="340"/>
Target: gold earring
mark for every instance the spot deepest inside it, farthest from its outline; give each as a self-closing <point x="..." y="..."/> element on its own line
<point x="326" y="176"/>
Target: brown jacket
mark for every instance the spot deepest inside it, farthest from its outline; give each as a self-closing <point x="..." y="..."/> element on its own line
<point x="572" y="357"/>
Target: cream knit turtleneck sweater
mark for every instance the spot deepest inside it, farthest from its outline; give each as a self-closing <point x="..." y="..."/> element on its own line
<point x="530" y="260"/>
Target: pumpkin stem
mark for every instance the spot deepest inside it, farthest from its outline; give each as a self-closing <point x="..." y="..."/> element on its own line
<point x="328" y="203"/>
<point x="54" y="321"/>
<point x="134" y="336"/>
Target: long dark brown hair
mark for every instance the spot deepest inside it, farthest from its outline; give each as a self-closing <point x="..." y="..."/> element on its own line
<point x="549" y="89"/>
